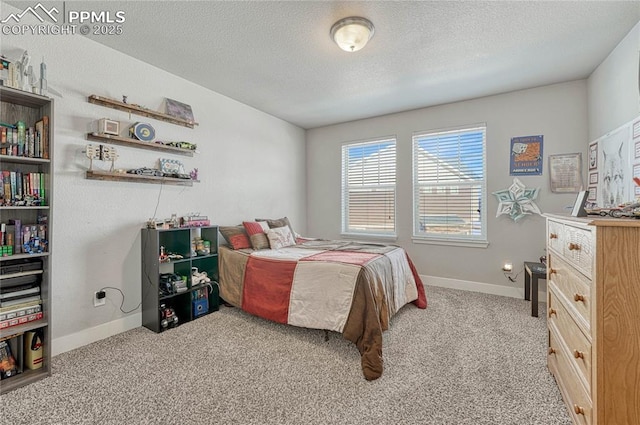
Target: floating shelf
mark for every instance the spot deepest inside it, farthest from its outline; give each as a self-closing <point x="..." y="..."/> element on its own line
<point x="138" y="110"/>
<point x="123" y="141"/>
<point x="135" y="178"/>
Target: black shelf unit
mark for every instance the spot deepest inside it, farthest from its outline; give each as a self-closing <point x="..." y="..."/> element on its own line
<point x="176" y="241"/>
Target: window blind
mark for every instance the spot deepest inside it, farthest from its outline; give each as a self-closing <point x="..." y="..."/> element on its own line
<point x="449" y="184"/>
<point x="369" y="187"/>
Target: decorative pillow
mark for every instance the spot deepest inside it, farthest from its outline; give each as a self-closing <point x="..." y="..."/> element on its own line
<point x="280" y="237"/>
<point x="236" y="236"/>
<point x="256" y="231"/>
<point x="278" y="222"/>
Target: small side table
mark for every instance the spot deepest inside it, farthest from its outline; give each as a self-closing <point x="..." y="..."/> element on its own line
<point x="533" y="272"/>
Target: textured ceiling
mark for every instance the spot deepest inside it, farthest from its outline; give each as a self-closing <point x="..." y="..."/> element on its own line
<point x="278" y="56"/>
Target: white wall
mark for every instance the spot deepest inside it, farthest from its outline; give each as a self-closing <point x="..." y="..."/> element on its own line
<point x="614" y="87"/>
<point x="558" y="112"/>
<point x="251" y="164"/>
<point x="614" y="92"/>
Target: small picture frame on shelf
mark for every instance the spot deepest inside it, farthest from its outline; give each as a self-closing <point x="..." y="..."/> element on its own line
<point x="107" y="126"/>
<point x="578" y="207"/>
<point x="179" y="110"/>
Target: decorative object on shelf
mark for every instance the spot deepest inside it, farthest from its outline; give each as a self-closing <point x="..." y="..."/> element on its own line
<point x="194" y="220"/>
<point x="517" y="201"/>
<point x="130" y="142"/>
<point x="143" y="131"/>
<point x="43" y="78"/>
<point x="173" y="168"/>
<point x="146" y="171"/>
<point x="124" y="99"/>
<point x="102" y="153"/>
<point x="194" y="174"/>
<point x="139" y="110"/>
<point x="182" y="145"/>
<point x="108" y="126"/>
<point x="179" y="110"/>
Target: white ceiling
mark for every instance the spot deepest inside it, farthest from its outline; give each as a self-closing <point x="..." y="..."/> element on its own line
<point x="278" y="56"/>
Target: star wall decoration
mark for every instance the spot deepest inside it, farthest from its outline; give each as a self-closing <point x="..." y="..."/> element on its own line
<point x="517" y="201"/>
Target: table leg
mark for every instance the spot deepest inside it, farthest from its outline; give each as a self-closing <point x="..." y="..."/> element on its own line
<point x="534" y="297"/>
<point x="527" y="285"/>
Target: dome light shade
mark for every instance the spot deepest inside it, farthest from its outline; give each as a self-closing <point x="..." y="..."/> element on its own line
<point x="352" y="34"/>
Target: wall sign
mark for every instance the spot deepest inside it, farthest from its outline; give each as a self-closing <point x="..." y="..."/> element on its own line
<point x="526" y="156"/>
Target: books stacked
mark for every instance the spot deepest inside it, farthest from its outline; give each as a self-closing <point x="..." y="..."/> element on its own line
<point x="20" y="300"/>
<point x="20" y="140"/>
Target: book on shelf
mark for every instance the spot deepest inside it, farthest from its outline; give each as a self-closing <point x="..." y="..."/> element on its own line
<point x="14" y="301"/>
<point x="20" y="312"/>
<point x="8" y="364"/>
<point x="20" y="306"/>
<point x="21" y="291"/>
<point x="21" y="320"/>
<point x="27" y="141"/>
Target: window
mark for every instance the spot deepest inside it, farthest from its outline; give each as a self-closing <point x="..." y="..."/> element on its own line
<point x="369" y="187"/>
<point x="449" y="185"/>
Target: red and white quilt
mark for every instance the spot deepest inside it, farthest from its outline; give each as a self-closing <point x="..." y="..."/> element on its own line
<point x="347" y="287"/>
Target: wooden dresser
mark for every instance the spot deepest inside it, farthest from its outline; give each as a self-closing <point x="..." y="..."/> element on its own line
<point x="593" y="316"/>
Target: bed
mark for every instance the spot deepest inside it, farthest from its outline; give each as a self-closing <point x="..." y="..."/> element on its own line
<point x="342" y="286"/>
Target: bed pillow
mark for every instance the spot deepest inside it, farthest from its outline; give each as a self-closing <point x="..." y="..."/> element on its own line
<point x="256" y="231"/>
<point x="280" y="237"/>
<point x="278" y="222"/>
<point x="236" y="236"/>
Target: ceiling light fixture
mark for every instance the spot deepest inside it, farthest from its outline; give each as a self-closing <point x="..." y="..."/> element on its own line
<point x="352" y="34"/>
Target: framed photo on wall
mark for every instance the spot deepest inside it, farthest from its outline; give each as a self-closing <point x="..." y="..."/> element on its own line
<point x="565" y="172"/>
<point x="593" y="156"/>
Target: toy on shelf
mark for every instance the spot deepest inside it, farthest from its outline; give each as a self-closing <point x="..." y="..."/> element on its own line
<point x="102" y="153"/>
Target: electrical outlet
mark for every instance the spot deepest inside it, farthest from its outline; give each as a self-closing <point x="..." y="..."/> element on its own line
<point x="99" y="298"/>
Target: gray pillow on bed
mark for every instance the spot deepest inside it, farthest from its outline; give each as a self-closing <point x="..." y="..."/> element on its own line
<point x="278" y="222"/>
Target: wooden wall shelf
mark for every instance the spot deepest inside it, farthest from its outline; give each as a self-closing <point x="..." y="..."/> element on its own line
<point x="138" y="110"/>
<point x="124" y="141"/>
<point x="135" y="178"/>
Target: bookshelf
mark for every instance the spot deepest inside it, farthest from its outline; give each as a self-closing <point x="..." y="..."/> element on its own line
<point x="185" y="304"/>
<point x="26" y="205"/>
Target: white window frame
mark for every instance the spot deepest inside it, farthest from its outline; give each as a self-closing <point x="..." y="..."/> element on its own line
<point x="346" y="230"/>
<point x="442" y="238"/>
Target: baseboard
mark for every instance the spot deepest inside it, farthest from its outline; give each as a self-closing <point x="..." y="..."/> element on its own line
<point x="486" y="288"/>
<point x="87" y="336"/>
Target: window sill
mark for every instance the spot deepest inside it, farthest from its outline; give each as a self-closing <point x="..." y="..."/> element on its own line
<point x="451" y="242"/>
<point x="370" y="237"/>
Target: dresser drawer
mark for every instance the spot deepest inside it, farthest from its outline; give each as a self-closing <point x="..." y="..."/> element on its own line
<point x="578" y="248"/>
<point x="575" y="397"/>
<point x="555" y="235"/>
<point x="576" y="344"/>
<point x="575" y="287"/>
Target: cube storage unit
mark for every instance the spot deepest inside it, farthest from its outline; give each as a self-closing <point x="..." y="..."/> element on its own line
<point x="173" y="291"/>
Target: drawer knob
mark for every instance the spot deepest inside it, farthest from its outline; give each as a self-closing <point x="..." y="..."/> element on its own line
<point x="552" y="271"/>
<point x="574" y="247"/>
<point x="579" y="410"/>
<point x="578" y="354"/>
<point x="578" y="297"/>
<point x="553" y="236"/>
<point x="551" y="350"/>
<point x="551" y="312"/>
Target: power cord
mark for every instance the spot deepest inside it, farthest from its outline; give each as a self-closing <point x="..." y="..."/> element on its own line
<point x="122" y="303"/>
<point x="512" y="279"/>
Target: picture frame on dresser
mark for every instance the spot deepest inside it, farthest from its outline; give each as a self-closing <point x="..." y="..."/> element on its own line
<point x="578" y="207"/>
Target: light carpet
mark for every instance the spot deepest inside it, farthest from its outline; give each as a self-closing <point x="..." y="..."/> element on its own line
<point x="468" y="359"/>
